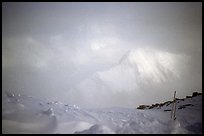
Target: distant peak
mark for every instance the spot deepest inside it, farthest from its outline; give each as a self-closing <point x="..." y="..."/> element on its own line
<point x="124" y="56"/>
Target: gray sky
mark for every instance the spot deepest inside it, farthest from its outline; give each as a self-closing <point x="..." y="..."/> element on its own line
<point x="102" y="54"/>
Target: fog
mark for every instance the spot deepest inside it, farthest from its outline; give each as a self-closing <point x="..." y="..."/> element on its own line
<point x="102" y="54"/>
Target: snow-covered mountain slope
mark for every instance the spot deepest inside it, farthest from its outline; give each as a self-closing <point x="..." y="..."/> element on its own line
<point x="144" y="73"/>
<point x="24" y="114"/>
<point x="145" y="65"/>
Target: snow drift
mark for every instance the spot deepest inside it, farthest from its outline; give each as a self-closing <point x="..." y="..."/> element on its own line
<point x="24" y="114"/>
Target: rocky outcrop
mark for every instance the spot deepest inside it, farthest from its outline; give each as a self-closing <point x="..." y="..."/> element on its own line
<point x="159" y="105"/>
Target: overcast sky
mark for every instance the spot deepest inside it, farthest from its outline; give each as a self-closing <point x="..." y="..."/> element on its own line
<point x="102" y="54"/>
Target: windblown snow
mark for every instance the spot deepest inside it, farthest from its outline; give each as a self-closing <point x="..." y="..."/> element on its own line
<point x="24" y="114"/>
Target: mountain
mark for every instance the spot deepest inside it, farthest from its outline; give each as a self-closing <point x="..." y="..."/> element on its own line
<point x="146" y="66"/>
<point x="143" y="73"/>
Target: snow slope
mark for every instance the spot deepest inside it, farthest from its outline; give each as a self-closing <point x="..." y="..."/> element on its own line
<point x="24" y="114"/>
<point x="144" y="73"/>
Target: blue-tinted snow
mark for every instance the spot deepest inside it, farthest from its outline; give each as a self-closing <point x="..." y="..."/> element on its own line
<point x="24" y="114"/>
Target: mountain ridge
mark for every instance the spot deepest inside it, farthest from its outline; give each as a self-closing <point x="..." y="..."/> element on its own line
<point x="166" y="103"/>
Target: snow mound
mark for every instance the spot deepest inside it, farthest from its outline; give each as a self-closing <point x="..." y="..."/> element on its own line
<point x="72" y="127"/>
<point x="96" y="129"/>
<point x="17" y="127"/>
<point x="23" y="114"/>
<point x="49" y="112"/>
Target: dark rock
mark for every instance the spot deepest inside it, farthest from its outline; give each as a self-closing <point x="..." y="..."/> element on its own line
<point x="181" y="107"/>
<point x="167" y="110"/>
<point x="187" y="104"/>
<point x="188" y="96"/>
<point x="143" y="107"/>
<point x="184" y="106"/>
<point x="161" y="104"/>
<point x="195" y="94"/>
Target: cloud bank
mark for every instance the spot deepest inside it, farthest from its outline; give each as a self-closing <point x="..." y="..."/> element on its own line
<point x="102" y="54"/>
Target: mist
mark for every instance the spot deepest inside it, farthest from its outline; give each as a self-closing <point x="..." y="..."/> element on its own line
<point x="102" y="54"/>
